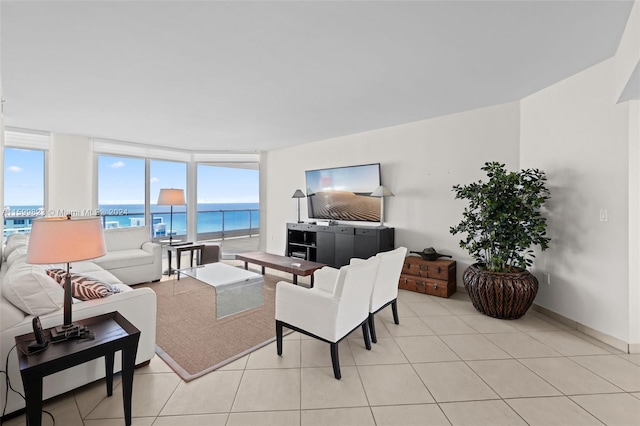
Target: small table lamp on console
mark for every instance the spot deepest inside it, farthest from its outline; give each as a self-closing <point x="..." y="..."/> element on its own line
<point x="381" y="192"/>
<point x="64" y="240"/>
<point x="298" y="194"/>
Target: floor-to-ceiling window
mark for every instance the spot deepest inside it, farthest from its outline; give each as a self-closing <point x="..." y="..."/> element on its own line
<point x="23" y="189"/>
<point x="121" y="191"/>
<point x="167" y="174"/>
<point x="228" y="201"/>
<point x="224" y="194"/>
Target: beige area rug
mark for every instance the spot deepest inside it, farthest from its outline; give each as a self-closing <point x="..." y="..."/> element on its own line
<point x="193" y="341"/>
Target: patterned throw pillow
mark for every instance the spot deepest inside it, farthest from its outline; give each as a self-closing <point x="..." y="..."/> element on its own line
<point x="83" y="288"/>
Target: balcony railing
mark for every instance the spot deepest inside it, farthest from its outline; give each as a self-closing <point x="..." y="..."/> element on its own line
<point x="211" y="225"/>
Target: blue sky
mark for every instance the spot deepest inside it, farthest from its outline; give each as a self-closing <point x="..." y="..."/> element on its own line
<point x="23" y="177"/>
<point x="121" y="180"/>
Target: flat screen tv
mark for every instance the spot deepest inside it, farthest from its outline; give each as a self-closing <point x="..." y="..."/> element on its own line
<point x="342" y="193"/>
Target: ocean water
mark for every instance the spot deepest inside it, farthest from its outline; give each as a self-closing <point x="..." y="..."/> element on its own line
<point x="212" y="217"/>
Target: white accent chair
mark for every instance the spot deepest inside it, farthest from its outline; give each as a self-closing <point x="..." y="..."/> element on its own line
<point x="337" y="305"/>
<point x="385" y="287"/>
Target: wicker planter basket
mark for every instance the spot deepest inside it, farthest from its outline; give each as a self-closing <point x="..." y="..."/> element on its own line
<point x="500" y="295"/>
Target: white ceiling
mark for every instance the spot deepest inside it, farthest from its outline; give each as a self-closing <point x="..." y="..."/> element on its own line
<point x="243" y="76"/>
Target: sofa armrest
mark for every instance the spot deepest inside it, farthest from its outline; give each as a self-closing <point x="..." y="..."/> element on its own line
<point x="152" y="248"/>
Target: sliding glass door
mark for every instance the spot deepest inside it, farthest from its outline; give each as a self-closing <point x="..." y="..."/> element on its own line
<point x="229" y="204"/>
<point x="121" y="191"/>
<point x="167" y="174"/>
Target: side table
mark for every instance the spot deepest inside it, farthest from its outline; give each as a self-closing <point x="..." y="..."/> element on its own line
<point x="113" y="333"/>
<point x="166" y="243"/>
<point x="179" y="249"/>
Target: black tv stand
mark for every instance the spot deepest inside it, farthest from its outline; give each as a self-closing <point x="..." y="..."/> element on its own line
<point x="335" y="245"/>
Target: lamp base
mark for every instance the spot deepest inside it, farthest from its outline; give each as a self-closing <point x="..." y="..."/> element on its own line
<point x="71" y="331"/>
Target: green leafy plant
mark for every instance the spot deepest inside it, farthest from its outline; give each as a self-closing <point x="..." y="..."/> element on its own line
<point x="503" y="220"/>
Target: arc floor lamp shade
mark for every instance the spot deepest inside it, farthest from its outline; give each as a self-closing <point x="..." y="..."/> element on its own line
<point x="171" y="197"/>
<point x="65" y="240"/>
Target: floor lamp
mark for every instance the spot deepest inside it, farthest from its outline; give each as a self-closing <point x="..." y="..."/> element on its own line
<point x="65" y="240"/>
<point x="381" y="192"/>
<point x="171" y="197"/>
<point x="298" y="194"/>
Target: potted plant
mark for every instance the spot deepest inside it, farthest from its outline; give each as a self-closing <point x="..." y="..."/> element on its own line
<point x="502" y="222"/>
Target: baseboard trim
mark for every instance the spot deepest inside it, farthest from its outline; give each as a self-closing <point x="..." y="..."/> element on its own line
<point x="621" y="345"/>
<point x="598" y="335"/>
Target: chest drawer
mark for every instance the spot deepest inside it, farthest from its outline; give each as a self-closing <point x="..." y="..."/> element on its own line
<point x="430" y="286"/>
<point x="439" y="269"/>
<point x="434" y="277"/>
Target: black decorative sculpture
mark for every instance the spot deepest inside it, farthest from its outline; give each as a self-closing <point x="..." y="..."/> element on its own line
<point x="429" y="254"/>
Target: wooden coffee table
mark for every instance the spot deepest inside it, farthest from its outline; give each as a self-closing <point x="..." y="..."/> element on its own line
<point x="291" y="265"/>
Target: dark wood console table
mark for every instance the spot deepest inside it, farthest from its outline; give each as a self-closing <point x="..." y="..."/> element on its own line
<point x="335" y="245"/>
<point x="113" y="333"/>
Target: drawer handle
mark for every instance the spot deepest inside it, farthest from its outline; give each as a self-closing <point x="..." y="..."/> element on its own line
<point x="405" y="280"/>
<point x="435" y="285"/>
<point x="438" y="269"/>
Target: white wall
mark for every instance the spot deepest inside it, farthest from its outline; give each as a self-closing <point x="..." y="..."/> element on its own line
<point x="627" y="57"/>
<point x="70" y="173"/>
<point x="634" y="225"/>
<point x="420" y="162"/>
<point x="576" y="133"/>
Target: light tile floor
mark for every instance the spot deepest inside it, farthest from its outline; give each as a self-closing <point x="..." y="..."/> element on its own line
<point x="445" y="364"/>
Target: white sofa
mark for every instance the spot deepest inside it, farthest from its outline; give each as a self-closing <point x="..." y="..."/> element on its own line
<point x="131" y="256"/>
<point x="137" y="305"/>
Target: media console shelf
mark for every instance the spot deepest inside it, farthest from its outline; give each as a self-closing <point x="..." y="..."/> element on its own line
<point x="335" y="245"/>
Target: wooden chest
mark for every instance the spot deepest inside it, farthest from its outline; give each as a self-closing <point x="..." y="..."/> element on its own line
<point x="434" y="277"/>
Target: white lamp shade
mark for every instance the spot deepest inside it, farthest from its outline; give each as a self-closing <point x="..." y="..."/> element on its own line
<point x="171" y="197"/>
<point x="63" y="240"/>
<point x="382" y="191"/>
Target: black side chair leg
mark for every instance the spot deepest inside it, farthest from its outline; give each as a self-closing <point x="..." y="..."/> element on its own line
<point x="279" y="336"/>
<point x="335" y="361"/>
<point x="372" y="328"/>
<point x="394" y="308"/>
<point x="365" y="333"/>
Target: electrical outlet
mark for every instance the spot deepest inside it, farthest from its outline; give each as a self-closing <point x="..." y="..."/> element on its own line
<point x="604" y="215"/>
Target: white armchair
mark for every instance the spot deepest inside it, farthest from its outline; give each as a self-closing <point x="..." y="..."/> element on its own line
<point x="333" y="308"/>
<point x="385" y="287"/>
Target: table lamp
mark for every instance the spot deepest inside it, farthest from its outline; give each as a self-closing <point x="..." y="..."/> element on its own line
<point x="171" y="197"/>
<point x="65" y="240"/>
<point x="298" y="194"/>
<point x="381" y="192"/>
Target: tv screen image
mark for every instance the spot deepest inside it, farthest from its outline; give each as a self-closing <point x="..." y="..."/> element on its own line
<point x="343" y="193"/>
